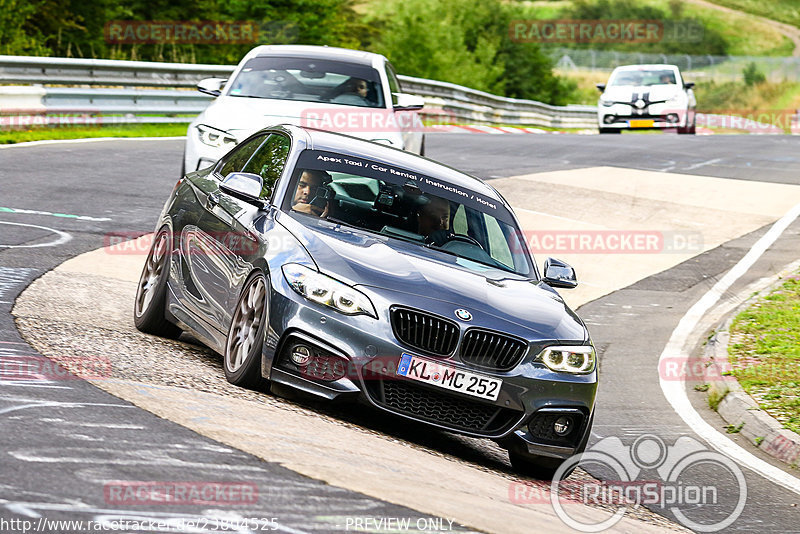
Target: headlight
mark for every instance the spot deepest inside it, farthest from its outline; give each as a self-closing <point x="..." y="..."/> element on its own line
<point x="677" y="99"/>
<point x="325" y="290"/>
<point x="216" y="138"/>
<point x="605" y="102"/>
<point x="577" y="360"/>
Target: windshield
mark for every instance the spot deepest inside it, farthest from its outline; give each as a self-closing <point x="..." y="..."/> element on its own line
<point x="309" y="80"/>
<point x="643" y="77"/>
<point x="399" y="204"/>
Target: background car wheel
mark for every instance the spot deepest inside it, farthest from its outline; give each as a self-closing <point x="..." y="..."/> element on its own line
<point x="610" y="130"/>
<point x="246" y="335"/>
<point x="151" y="294"/>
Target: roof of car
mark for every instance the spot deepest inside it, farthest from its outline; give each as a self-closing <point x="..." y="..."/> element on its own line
<point x="650" y="66"/>
<point x="320" y="52"/>
<point x="345" y="144"/>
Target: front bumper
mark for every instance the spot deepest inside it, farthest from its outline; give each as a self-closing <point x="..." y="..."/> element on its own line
<point x="365" y="352"/>
<point x="625" y="116"/>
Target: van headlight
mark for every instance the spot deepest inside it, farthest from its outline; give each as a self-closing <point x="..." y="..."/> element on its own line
<point x="575" y="359"/>
<point x="606" y="102"/>
<point x="324" y="290"/>
<point x="214" y="137"/>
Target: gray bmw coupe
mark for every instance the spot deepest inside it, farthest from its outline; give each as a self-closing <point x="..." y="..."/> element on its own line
<point x="347" y="269"/>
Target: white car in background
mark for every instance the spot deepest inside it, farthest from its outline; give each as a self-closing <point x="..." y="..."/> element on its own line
<point x="646" y="97"/>
<point x="345" y="91"/>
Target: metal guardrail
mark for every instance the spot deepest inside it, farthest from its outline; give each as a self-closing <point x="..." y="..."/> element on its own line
<point x="450" y="102"/>
<point x="695" y="67"/>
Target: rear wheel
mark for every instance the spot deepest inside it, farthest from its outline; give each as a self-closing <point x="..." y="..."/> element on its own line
<point x="246" y="334"/>
<point x="151" y="294"/>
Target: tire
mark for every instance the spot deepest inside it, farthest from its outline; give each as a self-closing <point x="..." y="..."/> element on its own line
<point x="610" y="130"/>
<point x="151" y="292"/>
<point x="242" y="357"/>
<point x="690" y="130"/>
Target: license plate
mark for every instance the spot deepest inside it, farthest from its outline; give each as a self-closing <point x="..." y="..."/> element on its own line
<point x="641" y="123"/>
<point x="444" y="376"/>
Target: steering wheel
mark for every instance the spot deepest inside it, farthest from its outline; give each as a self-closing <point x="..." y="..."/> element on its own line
<point x="442" y="237"/>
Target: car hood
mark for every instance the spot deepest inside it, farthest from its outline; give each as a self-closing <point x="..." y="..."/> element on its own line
<point x="657" y="93"/>
<point x="243" y="116"/>
<point x="361" y="259"/>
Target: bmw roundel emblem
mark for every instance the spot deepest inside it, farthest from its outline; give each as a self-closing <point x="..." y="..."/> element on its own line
<point x="463" y="314"/>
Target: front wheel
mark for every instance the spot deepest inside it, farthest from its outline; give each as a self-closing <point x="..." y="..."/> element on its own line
<point x="246" y="334"/>
<point x="151" y="293"/>
<point x="610" y="130"/>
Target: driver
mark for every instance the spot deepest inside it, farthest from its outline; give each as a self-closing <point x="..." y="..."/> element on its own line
<point x="307" y="186"/>
<point x="433" y="216"/>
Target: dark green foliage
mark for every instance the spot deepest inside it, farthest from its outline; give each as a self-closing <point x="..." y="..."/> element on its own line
<point x="677" y="39"/>
<point x="753" y="76"/>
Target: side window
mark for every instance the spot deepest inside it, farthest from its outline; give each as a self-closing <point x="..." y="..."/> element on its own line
<point x="238" y="157"/>
<point x="498" y="246"/>
<point x="268" y="162"/>
<point x="394" y="84"/>
<point x="460" y="221"/>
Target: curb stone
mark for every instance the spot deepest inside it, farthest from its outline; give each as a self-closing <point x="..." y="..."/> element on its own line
<point x="736" y="407"/>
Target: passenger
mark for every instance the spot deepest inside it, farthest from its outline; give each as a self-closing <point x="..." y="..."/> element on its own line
<point x="667" y="78"/>
<point x="353" y="92"/>
<point x="433" y="216"/>
<point x="310" y="181"/>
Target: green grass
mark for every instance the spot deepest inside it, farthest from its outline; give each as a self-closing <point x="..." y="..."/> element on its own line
<point x="744" y="35"/>
<point x="39" y="133"/>
<point x="765" y="353"/>
<point x="787" y="11"/>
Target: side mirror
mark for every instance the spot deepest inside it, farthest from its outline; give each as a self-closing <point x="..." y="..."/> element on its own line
<point x="407" y="102"/>
<point x="601" y="87"/>
<point x="244" y="185"/>
<point x="211" y="86"/>
<point x="559" y="274"/>
<point x="688" y="85"/>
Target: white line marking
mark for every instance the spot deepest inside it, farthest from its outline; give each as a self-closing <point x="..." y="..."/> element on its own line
<point x="675" y="390"/>
<point x="702" y="164"/>
<point x="88" y="140"/>
<point x="557" y="217"/>
<point x="52" y="214"/>
<point x="63" y="237"/>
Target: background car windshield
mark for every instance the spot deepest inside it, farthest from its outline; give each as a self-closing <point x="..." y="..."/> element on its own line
<point x="643" y="77"/>
<point x="309" y="80"/>
<point x="406" y="205"/>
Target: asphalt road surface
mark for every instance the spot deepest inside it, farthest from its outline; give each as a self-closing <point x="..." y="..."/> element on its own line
<point x="59" y="439"/>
